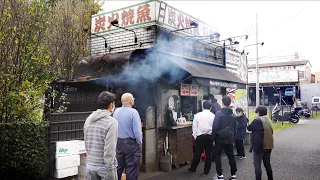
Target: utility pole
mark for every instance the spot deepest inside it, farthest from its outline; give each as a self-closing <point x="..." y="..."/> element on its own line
<point x="257" y="66"/>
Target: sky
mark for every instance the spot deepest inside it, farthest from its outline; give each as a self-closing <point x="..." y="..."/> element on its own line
<point x="285" y="27"/>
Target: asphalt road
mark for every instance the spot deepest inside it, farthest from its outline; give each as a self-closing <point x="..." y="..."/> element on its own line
<point x="296" y="156"/>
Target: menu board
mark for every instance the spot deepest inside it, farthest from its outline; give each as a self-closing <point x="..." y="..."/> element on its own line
<point x="185" y="90"/>
<point x="194" y="90"/>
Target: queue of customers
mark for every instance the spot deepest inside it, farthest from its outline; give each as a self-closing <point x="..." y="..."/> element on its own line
<point x="113" y="138"/>
<point x="113" y="143"/>
<point x="214" y="132"/>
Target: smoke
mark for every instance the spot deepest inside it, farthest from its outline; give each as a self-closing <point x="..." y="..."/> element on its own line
<point x="154" y="64"/>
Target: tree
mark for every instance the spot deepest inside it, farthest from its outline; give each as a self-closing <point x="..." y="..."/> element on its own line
<point x="39" y="41"/>
<point x="66" y="38"/>
<point x="24" y="63"/>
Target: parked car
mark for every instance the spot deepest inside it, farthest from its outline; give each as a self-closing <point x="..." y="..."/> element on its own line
<point x="289" y="92"/>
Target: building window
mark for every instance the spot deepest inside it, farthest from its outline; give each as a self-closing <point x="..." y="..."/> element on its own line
<point x="301" y="74"/>
<point x="294" y="67"/>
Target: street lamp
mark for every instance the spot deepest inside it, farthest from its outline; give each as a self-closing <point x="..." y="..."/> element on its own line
<point x="115" y="23"/>
<point x="192" y="25"/>
<point x="211" y="36"/>
<point x="230" y="39"/>
<point x="257" y="69"/>
<point x="215" y="49"/>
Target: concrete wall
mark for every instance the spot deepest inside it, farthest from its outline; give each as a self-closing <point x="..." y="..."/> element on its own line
<point x="317" y="79"/>
<point x="308" y="91"/>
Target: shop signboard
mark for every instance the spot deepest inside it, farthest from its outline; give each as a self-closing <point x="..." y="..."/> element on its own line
<point x="194" y="90"/>
<point x="172" y="17"/>
<point x="139" y="14"/>
<point x="185" y="90"/>
<point x="274" y="76"/>
<point x="149" y="12"/>
<point x="223" y="84"/>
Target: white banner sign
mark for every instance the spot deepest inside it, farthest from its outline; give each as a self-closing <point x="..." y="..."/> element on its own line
<point x="194" y="90"/>
<point x="146" y="13"/>
<point x="185" y="90"/>
<point x="274" y="76"/>
<point x="143" y="13"/>
<point x="174" y="18"/>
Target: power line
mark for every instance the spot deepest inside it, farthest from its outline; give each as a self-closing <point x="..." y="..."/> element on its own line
<point x="276" y="26"/>
<point x="284" y="49"/>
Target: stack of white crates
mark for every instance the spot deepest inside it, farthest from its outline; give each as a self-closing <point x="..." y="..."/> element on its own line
<point x="68" y="158"/>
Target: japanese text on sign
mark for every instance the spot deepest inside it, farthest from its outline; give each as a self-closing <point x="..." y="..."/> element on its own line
<point x="194" y="90"/>
<point x="274" y="76"/>
<point x="185" y="90"/>
<point x="223" y="84"/>
<point x="128" y="16"/>
<point x="148" y="12"/>
<point x="175" y="18"/>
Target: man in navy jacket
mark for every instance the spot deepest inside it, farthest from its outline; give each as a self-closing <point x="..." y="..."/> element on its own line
<point x="242" y="121"/>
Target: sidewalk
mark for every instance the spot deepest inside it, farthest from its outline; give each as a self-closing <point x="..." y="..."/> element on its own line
<point x="183" y="174"/>
<point x="287" y="159"/>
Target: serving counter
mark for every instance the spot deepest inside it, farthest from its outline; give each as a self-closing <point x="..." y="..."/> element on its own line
<point x="179" y="142"/>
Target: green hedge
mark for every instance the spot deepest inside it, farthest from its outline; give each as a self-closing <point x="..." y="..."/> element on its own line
<point x="24" y="151"/>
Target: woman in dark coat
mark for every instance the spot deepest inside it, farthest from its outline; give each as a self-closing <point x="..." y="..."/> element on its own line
<point x="242" y="122"/>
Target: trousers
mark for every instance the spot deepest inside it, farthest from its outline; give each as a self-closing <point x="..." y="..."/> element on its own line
<point x="228" y="149"/>
<point x="240" y="148"/>
<point x="128" y="157"/>
<point x="265" y="157"/>
<point x="202" y="142"/>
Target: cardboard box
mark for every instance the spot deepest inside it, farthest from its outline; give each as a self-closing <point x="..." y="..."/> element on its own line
<point x="81" y="147"/>
<point x="83" y="173"/>
<point x="67" y="148"/>
<point x="67" y="161"/>
<point x="62" y="173"/>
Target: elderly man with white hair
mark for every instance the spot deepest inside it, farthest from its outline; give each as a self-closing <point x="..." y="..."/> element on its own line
<point x="129" y="138"/>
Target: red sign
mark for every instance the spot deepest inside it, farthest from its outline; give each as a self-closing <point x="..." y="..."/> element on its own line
<point x="194" y="90"/>
<point x="185" y="90"/>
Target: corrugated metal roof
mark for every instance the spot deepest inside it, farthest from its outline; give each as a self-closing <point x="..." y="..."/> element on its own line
<point x="204" y="70"/>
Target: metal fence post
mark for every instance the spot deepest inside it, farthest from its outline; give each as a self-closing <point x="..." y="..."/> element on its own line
<point x="282" y="114"/>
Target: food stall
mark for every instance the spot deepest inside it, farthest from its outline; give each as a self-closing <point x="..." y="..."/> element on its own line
<point x="168" y="78"/>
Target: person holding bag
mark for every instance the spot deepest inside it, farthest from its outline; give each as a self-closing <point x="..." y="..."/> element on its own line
<point x="223" y="136"/>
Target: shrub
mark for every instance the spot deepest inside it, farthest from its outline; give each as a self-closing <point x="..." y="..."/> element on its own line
<point x="24" y="152"/>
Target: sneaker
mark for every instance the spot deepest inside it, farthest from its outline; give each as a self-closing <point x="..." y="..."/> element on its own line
<point x="237" y="156"/>
<point x="232" y="177"/>
<point x="219" y="177"/>
<point x="191" y="170"/>
<point x="241" y="157"/>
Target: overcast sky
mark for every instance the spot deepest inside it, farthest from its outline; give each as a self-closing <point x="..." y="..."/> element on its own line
<point x="285" y="27"/>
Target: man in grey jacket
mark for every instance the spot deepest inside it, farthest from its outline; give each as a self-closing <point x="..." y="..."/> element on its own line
<point x="100" y="136"/>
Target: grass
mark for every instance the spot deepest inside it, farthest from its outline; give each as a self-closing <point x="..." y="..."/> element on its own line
<point x="278" y="126"/>
<point x="315" y="115"/>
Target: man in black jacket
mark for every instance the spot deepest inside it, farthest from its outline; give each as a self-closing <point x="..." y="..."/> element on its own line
<point x="223" y="135"/>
